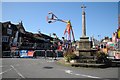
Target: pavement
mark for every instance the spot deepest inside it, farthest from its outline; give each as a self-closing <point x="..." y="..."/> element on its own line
<point x="22" y="68"/>
<point x="87" y="65"/>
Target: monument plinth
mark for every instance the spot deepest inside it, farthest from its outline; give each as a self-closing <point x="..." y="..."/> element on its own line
<point x="84" y="45"/>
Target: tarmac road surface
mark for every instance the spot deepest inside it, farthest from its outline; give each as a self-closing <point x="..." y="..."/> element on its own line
<point x="48" y="68"/>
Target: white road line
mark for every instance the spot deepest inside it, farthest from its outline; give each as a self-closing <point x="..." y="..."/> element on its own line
<point x="77" y="74"/>
<point x="6" y="71"/>
<point x="89" y="76"/>
<point x="4" y="66"/>
<point x="68" y="71"/>
<point x="71" y="72"/>
<point x="17" y="71"/>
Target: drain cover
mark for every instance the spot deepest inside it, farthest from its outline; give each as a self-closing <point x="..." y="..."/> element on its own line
<point x="48" y="67"/>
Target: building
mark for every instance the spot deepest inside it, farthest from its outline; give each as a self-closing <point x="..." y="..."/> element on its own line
<point x="10" y="34"/>
<point x="0" y="40"/>
<point x="14" y="35"/>
<point x="35" y="41"/>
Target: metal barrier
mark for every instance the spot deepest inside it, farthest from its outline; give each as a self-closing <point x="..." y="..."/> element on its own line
<point x="10" y="54"/>
<point x="48" y="53"/>
<point x="38" y="53"/>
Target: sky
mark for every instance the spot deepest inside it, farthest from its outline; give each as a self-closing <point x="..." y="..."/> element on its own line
<point x="101" y="17"/>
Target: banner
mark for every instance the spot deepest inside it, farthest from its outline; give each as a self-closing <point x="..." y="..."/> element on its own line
<point x="26" y="53"/>
<point x="30" y="53"/>
<point x="23" y="53"/>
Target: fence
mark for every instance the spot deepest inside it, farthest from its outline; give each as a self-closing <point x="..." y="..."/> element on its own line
<point x="37" y="53"/>
<point x="10" y="54"/>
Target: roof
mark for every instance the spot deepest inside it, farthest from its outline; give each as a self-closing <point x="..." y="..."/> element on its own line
<point x="5" y="25"/>
<point x="20" y="28"/>
<point x="14" y="26"/>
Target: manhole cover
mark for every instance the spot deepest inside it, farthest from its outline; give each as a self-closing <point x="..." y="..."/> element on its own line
<point x="48" y="67"/>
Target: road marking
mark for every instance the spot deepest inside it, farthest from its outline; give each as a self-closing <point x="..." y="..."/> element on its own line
<point x="77" y="74"/>
<point x="89" y="76"/>
<point x="68" y="71"/>
<point x="17" y="71"/>
<point x="71" y="72"/>
<point x="4" y="66"/>
<point x="6" y="71"/>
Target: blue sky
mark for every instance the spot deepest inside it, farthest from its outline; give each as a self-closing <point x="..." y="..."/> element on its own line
<point x="101" y="17"/>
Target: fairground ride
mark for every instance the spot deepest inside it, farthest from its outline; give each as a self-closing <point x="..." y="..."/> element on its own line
<point x="51" y="18"/>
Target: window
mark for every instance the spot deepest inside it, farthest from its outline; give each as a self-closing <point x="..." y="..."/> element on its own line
<point x="5" y="38"/>
<point x="9" y="31"/>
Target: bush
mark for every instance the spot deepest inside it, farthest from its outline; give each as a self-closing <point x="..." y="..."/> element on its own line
<point x="69" y="55"/>
<point x="102" y="57"/>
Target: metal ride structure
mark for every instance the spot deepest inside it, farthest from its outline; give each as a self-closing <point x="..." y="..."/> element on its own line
<point x="53" y="18"/>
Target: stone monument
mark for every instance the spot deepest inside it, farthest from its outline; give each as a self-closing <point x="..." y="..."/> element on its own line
<point x="83" y="38"/>
<point x="84" y="46"/>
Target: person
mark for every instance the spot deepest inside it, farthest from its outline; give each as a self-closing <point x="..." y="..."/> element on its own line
<point x="51" y="49"/>
<point x="12" y="53"/>
<point x="54" y="47"/>
<point x="35" y="55"/>
<point x="45" y="53"/>
<point x="54" y="52"/>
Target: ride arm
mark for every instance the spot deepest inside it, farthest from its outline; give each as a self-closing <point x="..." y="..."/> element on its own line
<point x="62" y="20"/>
<point x="73" y="34"/>
<point x="55" y="18"/>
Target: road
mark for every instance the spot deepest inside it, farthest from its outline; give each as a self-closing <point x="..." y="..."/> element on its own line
<point x="49" y="68"/>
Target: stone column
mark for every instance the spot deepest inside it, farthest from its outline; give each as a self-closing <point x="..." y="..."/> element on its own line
<point x="83" y="21"/>
<point x="83" y="37"/>
<point x="83" y="24"/>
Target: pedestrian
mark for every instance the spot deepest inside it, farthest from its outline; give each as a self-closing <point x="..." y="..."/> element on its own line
<point x="53" y="51"/>
<point x="35" y="55"/>
<point x="12" y="53"/>
<point x="45" y="53"/>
